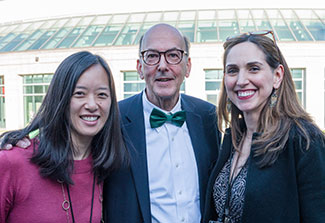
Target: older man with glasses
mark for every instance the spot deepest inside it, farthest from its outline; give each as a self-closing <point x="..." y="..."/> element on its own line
<point x="172" y="139"/>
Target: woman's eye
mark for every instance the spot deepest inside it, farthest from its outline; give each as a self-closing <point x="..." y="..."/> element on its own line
<point x="232" y="71"/>
<point x="254" y="68"/>
<point x="104" y="95"/>
<point x="78" y="93"/>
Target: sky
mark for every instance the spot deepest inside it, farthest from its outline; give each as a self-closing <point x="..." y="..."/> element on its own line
<point x="16" y="10"/>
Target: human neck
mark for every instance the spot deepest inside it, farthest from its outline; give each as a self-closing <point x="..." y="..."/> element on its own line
<point x="251" y="124"/>
<point x="166" y="104"/>
<point x="81" y="147"/>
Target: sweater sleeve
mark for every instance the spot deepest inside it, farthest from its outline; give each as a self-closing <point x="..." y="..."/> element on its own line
<point x="311" y="181"/>
<point x="6" y="186"/>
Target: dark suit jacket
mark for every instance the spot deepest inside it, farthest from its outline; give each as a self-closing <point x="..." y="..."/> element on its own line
<point x="126" y="192"/>
<point x="292" y="190"/>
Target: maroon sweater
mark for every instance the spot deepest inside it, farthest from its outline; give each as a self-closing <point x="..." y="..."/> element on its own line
<point x="25" y="196"/>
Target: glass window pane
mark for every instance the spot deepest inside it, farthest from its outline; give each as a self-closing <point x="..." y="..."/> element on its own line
<point x="143" y="29"/>
<point x="85" y="21"/>
<point x="305" y="14"/>
<point x="153" y="17"/>
<point x="246" y="26"/>
<point x="67" y="41"/>
<point x="28" y="89"/>
<point x="28" y="79"/>
<point x="187" y="15"/>
<point x="135" y="18"/>
<point x="132" y="83"/>
<point x="288" y="14"/>
<point x="207" y="15"/>
<point x="207" y="31"/>
<point x="53" y="42"/>
<point x="5" y="40"/>
<point x="259" y="14"/>
<point x="263" y="25"/>
<point x="28" y="108"/>
<point x="244" y="14"/>
<point x="38" y="89"/>
<point x="15" y="42"/>
<point x="42" y="39"/>
<point x="121" y="18"/>
<point x="128" y="35"/>
<point x="213" y="74"/>
<point x="228" y="28"/>
<point x="133" y="87"/>
<point x="282" y="30"/>
<point x="212" y="98"/>
<point x="170" y="16"/>
<point x="320" y="13"/>
<point x="299" y="31"/>
<point x="212" y="86"/>
<point x="298" y="85"/>
<point x="108" y="35"/>
<point x="101" y="20"/>
<point x="273" y="14"/>
<point x="316" y="28"/>
<point x="131" y="76"/>
<point x="226" y="14"/>
<point x="59" y="23"/>
<point x="188" y="30"/>
<point x="31" y="39"/>
<point x="88" y="36"/>
<point x="296" y="73"/>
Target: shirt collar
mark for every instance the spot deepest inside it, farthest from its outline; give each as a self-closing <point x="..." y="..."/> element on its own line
<point x="148" y="106"/>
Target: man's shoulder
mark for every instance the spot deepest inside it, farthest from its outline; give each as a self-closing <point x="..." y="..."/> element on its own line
<point x="129" y="100"/>
<point x="198" y="103"/>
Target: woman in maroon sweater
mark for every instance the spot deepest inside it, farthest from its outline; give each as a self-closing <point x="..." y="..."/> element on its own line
<point x="59" y="177"/>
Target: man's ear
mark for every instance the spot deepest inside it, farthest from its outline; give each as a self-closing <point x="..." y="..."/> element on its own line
<point x="139" y="69"/>
<point x="188" y="67"/>
<point x="278" y="76"/>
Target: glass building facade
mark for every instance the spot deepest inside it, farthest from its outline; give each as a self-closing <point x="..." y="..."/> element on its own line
<point x="213" y="25"/>
<point x="30" y="51"/>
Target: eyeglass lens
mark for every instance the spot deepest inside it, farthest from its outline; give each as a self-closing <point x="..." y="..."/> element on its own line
<point x="171" y="56"/>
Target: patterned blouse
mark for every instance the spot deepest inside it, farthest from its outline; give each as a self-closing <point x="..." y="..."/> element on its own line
<point x="237" y="195"/>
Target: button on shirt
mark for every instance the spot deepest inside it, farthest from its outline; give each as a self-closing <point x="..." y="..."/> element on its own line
<point x="172" y="170"/>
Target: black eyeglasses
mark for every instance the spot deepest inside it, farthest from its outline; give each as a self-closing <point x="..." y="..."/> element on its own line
<point x="255" y="33"/>
<point x="172" y="56"/>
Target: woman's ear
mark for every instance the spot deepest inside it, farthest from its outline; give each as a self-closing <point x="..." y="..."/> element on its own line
<point x="278" y="76"/>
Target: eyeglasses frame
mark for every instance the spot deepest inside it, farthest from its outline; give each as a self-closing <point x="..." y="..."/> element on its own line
<point x="183" y="52"/>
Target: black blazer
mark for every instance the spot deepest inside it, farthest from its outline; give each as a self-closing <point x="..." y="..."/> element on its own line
<point x="292" y="190"/>
<point x="126" y="192"/>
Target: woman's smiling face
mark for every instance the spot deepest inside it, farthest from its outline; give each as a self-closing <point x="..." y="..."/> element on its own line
<point x="249" y="80"/>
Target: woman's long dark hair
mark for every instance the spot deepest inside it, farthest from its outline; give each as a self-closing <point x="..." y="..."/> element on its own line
<point x="54" y="155"/>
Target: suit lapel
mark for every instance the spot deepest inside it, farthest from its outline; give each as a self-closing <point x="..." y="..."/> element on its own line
<point x="133" y="123"/>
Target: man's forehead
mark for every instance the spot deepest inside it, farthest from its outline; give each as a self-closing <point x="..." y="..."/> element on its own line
<point x="160" y="42"/>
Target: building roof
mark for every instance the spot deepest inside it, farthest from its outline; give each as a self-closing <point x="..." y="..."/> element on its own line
<point x="211" y="25"/>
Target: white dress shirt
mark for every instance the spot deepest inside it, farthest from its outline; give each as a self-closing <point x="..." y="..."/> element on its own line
<point x="172" y="170"/>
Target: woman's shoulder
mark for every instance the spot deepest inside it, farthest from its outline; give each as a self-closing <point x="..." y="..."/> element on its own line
<point x="303" y="129"/>
<point x="15" y="157"/>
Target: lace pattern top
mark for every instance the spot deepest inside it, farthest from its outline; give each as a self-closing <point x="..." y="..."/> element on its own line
<point x="220" y="189"/>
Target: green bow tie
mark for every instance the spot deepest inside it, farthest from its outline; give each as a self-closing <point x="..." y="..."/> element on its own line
<point x="158" y="118"/>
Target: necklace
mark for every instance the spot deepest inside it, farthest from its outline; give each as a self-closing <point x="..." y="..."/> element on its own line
<point x="67" y="204"/>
